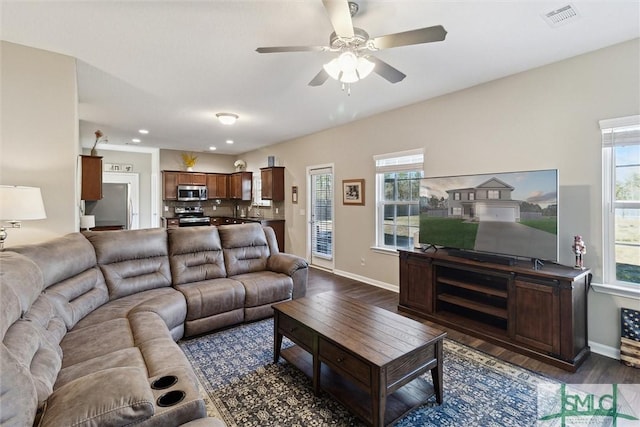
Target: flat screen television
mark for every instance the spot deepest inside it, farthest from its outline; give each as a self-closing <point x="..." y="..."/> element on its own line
<point x="510" y="213"/>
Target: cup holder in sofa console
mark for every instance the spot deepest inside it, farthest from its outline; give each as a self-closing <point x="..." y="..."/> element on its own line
<point x="171" y="398"/>
<point x="164" y="382"/>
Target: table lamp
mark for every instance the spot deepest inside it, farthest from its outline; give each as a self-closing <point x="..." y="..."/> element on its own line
<point x="17" y="204"/>
<point x="87" y="222"/>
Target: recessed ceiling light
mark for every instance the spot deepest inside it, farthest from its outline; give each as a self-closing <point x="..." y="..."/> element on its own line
<point x="229" y="141"/>
<point x="212" y="148"/>
<point x="143" y="131"/>
<point x="227" y="118"/>
<point x="136" y="140"/>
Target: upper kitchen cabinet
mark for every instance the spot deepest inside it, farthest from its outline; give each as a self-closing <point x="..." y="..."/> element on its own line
<point x="91" y="178"/>
<point x="272" y="183"/>
<point x="169" y="185"/>
<point x="217" y="185"/>
<point x="192" y="178"/>
<point x="240" y="185"/>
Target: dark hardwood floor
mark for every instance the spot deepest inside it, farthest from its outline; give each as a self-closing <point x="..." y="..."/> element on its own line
<point x="596" y="369"/>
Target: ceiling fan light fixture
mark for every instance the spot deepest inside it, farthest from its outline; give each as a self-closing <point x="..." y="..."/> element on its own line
<point x="227" y="118"/>
<point x="365" y="67"/>
<point x="348" y="61"/>
<point x="349" y="77"/>
<point x="333" y="68"/>
<point x="348" y="67"/>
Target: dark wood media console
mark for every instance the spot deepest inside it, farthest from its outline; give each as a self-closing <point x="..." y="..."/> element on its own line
<point x="540" y="313"/>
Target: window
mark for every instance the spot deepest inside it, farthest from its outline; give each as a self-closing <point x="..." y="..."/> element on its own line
<point x="493" y="194"/>
<point x="621" y="201"/>
<point x="456" y="196"/>
<point x="472" y="196"/>
<point x="398" y="198"/>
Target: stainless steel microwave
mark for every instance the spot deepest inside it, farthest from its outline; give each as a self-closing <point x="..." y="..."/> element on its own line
<point x="189" y="193"/>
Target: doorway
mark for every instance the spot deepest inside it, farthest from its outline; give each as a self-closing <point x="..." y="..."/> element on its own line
<point x="320" y="216"/>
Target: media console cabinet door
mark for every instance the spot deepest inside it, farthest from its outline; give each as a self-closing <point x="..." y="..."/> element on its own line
<point x="537" y="315"/>
<point x="416" y="283"/>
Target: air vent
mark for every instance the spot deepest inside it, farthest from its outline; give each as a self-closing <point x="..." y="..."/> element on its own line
<point x="561" y="16"/>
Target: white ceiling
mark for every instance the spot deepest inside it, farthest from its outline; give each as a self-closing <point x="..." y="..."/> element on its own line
<point x="170" y="66"/>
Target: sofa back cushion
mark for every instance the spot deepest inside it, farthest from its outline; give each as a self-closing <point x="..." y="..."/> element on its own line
<point x="74" y="283"/>
<point x="245" y="248"/>
<point x="31" y="333"/>
<point x="132" y="261"/>
<point x="195" y="254"/>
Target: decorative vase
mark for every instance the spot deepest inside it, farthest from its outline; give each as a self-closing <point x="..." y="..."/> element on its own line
<point x="94" y="152"/>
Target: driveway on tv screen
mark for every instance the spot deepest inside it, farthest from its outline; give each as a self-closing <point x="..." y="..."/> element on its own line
<point x="514" y="238"/>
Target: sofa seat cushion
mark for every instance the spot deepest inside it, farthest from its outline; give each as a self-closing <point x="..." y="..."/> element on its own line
<point x="210" y="297"/>
<point x="113" y="397"/>
<point x="125" y="358"/>
<point x="166" y="302"/>
<point x="265" y="287"/>
<point x="96" y="340"/>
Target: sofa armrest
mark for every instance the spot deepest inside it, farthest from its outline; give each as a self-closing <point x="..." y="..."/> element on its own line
<point x="116" y="397"/>
<point x="285" y="263"/>
<point x="293" y="266"/>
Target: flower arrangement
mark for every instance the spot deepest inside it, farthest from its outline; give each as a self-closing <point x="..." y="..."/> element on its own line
<point x="99" y="135"/>
<point x="189" y="160"/>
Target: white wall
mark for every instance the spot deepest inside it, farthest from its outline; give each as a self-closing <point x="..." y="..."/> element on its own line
<point x="39" y="136"/>
<point x="540" y="119"/>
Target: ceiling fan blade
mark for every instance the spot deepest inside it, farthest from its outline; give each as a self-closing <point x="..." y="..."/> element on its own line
<point x="319" y="79"/>
<point x="385" y="70"/>
<point x="340" y="17"/>
<point x="278" y="49"/>
<point x="422" y="35"/>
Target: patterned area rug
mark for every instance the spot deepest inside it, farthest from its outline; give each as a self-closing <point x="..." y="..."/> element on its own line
<point x="245" y="388"/>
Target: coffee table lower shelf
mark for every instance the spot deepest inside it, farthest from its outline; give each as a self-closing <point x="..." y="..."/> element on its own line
<point x="399" y="403"/>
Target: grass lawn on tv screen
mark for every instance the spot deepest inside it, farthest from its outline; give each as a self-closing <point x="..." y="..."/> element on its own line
<point x="448" y="232"/>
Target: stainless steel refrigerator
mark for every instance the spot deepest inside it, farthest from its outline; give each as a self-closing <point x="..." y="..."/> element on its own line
<point x="113" y="210"/>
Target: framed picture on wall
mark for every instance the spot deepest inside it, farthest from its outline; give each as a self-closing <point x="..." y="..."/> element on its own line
<point x="353" y="192"/>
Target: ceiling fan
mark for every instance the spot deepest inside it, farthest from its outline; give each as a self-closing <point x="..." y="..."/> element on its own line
<point x="354" y="45"/>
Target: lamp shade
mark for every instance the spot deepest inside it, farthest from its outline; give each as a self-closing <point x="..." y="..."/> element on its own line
<point x="87" y="221"/>
<point x="349" y="68"/>
<point x="21" y="203"/>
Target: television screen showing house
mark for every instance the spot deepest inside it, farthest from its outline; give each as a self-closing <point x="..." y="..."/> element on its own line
<point x="513" y="213"/>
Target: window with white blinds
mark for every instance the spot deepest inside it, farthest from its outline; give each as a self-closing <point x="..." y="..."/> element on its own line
<point x="398" y="198"/>
<point x="621" y="201"/>
<point x="322" y="213"/>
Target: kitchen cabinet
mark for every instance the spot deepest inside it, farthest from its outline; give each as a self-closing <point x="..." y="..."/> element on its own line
<point x="278" y="228"/>
<point x="171" y="222"/>
<point x="91" y="188"/>
<point x="192" y="178"/>
<point x="217" y="185"/>
<point x="169" y="185"/>
<point x="171" y="180"/>
<point x="240" y="186"/>
<point x="540" y="313"/>
<point x="272" y="183"/>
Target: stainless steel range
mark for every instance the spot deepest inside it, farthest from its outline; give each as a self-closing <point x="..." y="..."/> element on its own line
<point x="191" y="216"/>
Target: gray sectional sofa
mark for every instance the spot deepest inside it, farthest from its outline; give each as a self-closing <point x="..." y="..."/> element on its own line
<point x="89" y="321"/>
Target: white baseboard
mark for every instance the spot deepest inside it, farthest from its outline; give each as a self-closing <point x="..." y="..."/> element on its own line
<point x="597" y="348"/>
<point x="367" y="280"/>
<point x="605" y="350"/>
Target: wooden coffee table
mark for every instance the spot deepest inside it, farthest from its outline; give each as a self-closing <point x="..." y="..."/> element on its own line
<point x="368" y="358"/>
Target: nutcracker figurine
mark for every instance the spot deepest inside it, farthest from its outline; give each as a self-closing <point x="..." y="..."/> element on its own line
<point x="579" y="249"/>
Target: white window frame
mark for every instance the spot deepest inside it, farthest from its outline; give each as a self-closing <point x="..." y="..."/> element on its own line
<point x="402" y="161"/>
<point x="609" y="128"/>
